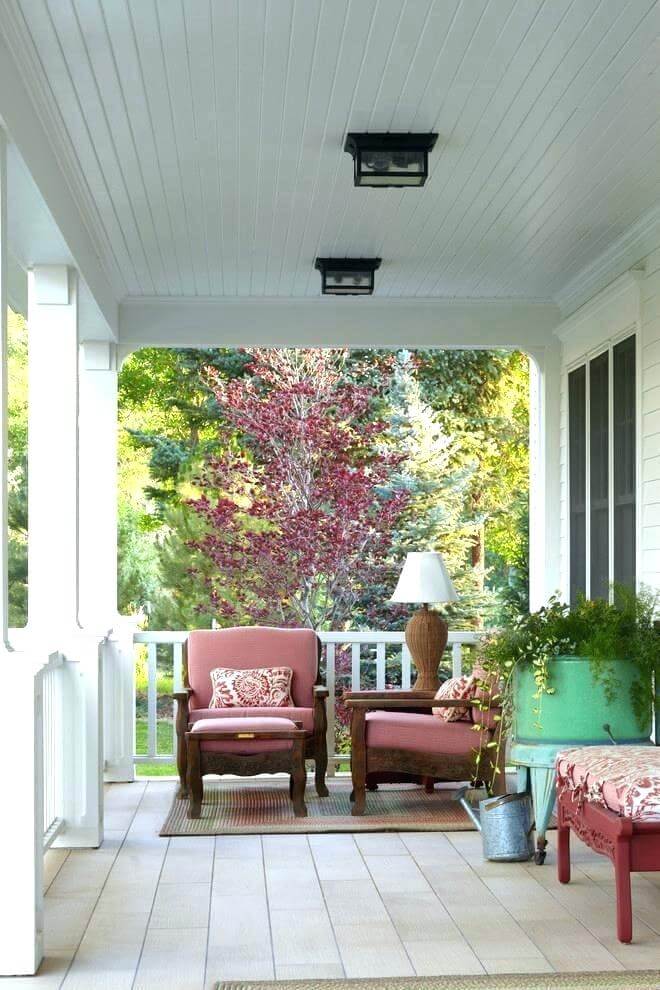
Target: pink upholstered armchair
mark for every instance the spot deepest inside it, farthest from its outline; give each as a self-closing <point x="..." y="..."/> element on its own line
<point x="246" y="647"/>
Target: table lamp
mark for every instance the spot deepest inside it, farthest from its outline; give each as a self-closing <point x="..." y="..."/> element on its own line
<point x="424" y="579"/>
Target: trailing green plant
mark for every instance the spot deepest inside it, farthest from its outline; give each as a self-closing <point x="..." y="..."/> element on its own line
<point x="605" y="632"/>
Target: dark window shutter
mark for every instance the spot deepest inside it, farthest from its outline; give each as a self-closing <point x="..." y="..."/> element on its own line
<point x="577" y="481"/>
<point x="624" y="482"/>
<point x="599" y="475"/>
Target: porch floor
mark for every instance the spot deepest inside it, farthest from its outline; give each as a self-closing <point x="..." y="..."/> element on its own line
<point x="145" y="912"/>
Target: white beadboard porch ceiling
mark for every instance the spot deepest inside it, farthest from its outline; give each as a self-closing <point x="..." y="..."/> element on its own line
<point x="204" y="137"/>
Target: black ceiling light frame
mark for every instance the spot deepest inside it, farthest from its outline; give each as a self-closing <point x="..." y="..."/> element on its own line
<point x="386" y="160"/>
<point x="347" y="276"/>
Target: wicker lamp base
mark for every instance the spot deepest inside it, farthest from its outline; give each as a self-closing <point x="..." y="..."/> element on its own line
<point x="426" y="637"/>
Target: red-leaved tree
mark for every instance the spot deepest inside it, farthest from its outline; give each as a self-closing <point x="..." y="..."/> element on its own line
<point x="298" y="519"/>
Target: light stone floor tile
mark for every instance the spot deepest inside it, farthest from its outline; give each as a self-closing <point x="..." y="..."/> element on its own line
<point x="174" y="959"/>
<point x="567" y="945"/>
<point x="396" y="874"/>
<point x="429" y="848"/>
<point x="107" y="957"/>
<point x="286" y="849"/>
<point x="419" y="916"/>
<point x="54" y="859"/>
<point x="238" y="847"/>
<point x="303" y="936"/>
<point x="380" y="844"/>
<point x="181" y="905"/>
<point x="353" y="902"/>
<point x="372" y="950"/>
<point x="293" y="887"/>
<point x="241" y="921"/>
<point x="189" y="859"/>
<point x="246" y="876"/>
<point x="442" y="957"/>
<point x="521" y="964"/>
<point x="65" y="920"/>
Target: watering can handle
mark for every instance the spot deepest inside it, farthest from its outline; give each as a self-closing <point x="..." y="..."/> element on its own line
<point x="506" y="798"/>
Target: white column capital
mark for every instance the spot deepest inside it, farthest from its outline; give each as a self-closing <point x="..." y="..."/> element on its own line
<point x="53" y="284"/>
<point x="98" y="355"/>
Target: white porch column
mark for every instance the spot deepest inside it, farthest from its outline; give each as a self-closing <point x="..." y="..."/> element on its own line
<point x="53" y="454"/>
<point x="21" y="855"/>
<point x="54" y="575"/>
<point x="544" y="493"/>
<point x="97" y="597"/>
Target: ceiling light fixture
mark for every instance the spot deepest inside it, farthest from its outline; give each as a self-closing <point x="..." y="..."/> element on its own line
<point x="383" y="160"/>
<point x="347" y="276"/>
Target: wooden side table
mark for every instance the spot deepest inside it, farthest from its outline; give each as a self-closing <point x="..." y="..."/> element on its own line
<point x="234" y="745"/>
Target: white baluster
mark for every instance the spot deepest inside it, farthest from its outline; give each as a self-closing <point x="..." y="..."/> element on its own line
<point x="405" y="668"/>
<point x="355" y="667"/>
<point x="380" y="666"/>
<point x="330" y="684"/>
<point x="152" y="706"/>
<point x="456" y="660"/>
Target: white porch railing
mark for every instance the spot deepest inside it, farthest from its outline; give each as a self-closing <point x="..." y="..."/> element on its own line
<point x="349" y="660"/>
<point x="52" y="744"/>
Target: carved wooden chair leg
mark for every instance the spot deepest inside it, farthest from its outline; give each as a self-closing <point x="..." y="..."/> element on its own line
<point x="291" y="786"/>
<point x="298" y="777"/>
<point x="182" y="766"/>
<point x="358" y="761"/>
<point x="429" y="784"/>
<point x="195" y="784"/>
<point x="320" y="770"/>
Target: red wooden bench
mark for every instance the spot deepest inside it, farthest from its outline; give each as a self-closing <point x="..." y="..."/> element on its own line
<point x="613" y="812"/>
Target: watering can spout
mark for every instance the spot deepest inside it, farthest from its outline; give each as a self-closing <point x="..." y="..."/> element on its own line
<point x="467" y="807"/>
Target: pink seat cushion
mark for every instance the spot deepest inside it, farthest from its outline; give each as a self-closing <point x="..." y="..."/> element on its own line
<point x="245" y="647"/>
<point x="304" y="715"/>
<point x="244" y="747"/>
<point x="625" y="779"/>
<point x="419" y="733"/>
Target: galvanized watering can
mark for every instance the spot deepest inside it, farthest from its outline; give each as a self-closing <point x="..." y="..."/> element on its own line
<point x="506" y="824"/>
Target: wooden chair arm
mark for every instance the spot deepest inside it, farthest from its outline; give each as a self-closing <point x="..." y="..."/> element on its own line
<point x="391" y="704"/>
<point x="394" y="693"/>
<point x="321" y="692"/>
<point x="182" y="695"/>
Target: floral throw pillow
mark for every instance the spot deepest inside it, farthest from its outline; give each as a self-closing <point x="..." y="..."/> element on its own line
<point x="456" y="689"/>
<point x="262" y="687"/>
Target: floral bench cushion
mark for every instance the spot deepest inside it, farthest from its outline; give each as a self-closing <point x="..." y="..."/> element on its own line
<point x="625" y="779"/>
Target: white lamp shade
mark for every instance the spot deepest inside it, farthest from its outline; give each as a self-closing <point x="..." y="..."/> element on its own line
<point x="424" y="579"/>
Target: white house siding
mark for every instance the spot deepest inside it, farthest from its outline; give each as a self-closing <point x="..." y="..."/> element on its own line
<point x="631" y="304"/>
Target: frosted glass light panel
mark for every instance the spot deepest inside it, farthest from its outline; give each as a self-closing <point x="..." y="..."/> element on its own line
<point x="385" y="160"/>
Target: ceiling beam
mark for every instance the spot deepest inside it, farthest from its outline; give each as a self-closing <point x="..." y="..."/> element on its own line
<point x="328" y="322"/>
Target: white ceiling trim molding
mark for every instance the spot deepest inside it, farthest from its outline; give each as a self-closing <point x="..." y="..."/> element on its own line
<point x="33" y="123"/>
<point x="629" y="249"/>
<point x="328" y="322"/>
<point x="613" y="310"/>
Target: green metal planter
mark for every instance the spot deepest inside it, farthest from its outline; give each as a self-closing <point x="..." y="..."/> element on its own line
<point x="575" y="715"/>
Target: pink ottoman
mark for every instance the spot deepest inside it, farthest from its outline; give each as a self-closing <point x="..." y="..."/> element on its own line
<point x="246" y="746"/>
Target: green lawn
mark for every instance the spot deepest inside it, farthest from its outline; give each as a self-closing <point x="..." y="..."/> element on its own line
<point x="164" y="734"/>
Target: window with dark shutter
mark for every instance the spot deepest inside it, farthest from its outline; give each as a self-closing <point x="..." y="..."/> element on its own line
<point x="599" y="476"/>
<point x="577" y="481"/>
<point x="624" y="481"/>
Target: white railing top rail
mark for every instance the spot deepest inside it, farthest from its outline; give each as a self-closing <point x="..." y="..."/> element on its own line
<point x="347" y="636"/>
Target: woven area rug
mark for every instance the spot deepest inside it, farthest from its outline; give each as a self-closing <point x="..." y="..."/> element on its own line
<point x="241" y="807"/>
<point x="631" y="980"/>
